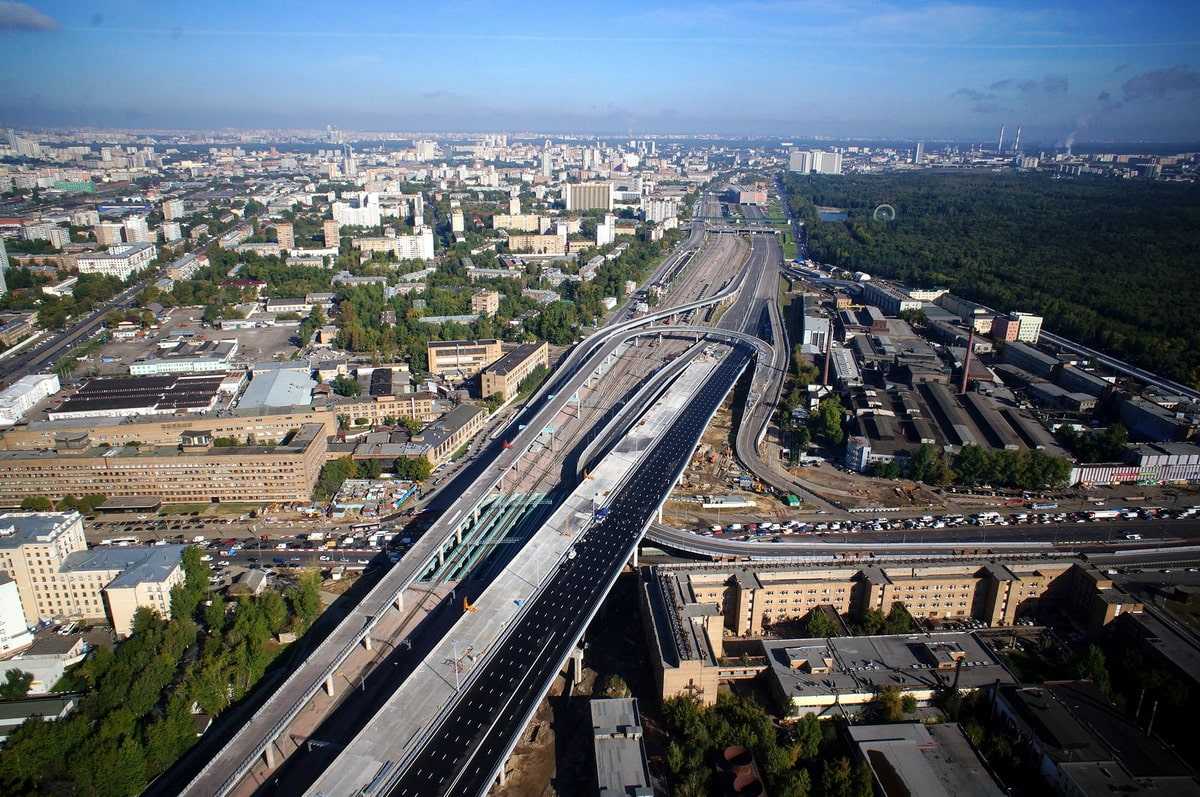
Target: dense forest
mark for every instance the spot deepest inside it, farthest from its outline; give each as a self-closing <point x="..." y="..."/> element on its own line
<point x="1109" y="263"/>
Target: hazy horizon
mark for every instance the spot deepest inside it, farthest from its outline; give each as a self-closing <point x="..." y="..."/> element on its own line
<point x="934" y="70"/>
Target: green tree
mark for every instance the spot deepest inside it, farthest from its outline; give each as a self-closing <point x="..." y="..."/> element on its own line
<point x="1092" y="665"/>
<point x="615" y="686"/>
<point x="16" y="684"/>
<point x="827" y="421"/>
<point x="274" y="610"/>
<point x="345" y="386"/>
<point x="898" y="620"/>
<point x="818" y="624"/>
<point x="305" y="598"/>
<point x="889" y="704"/>
<point x="214" y="614"/>
<point x="36" y="503"/>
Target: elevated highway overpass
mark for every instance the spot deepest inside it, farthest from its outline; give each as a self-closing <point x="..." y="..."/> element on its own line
<point x="254" y="738"/>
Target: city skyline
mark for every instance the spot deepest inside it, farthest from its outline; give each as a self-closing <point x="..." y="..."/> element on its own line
<point x="1063" y="71"/>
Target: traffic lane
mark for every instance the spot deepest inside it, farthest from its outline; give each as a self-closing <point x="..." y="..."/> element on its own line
<point x="803" y="544"/>
<point x="475" y="734"/>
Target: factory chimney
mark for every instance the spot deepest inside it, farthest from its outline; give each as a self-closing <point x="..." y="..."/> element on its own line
<point x="828" y="350"/>
<point x="1017" y="142"/>
<point x="962" y="389"/>
<point x="1000" y="143"/>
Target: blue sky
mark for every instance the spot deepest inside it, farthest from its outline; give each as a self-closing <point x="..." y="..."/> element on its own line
<point x="1103" y="70"/>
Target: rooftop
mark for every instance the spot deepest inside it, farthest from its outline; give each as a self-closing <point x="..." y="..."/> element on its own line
<point x="929" y="760"/>
<point x="23" y="528"/>
<point x="511" y="360"/>
<point x="621" y="767"/>
<point x="279" y="387"/>
<point x="138" y="565"/>
<point x="866" y="664"/>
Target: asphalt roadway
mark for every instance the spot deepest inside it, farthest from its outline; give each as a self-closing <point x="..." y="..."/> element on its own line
<point x="464" y="751"/>
<point x="1037" y="538"/>
<point x="44" y="353"/>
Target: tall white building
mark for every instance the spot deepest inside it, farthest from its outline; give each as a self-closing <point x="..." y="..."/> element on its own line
<point x="172" y="209"/>
<point x="418" y="246"/>
<point x="137" y="231"/>
<point x="118" y="261"/>
<point x="426" y="150"/>
<point x="47" y="231"/>
<point x="919" y="153"/>
<point x="1029" y="327"/>
<point x="14" y="631"/>
<point x="659" y="209"/>
<point x="547" y="168"/>
<point x="606" y="231"/>
<point x="171" y="231"/>
<point x="3" y="268"/>
<point x="827" y="162"/>
<point x="358" y="209"/>
<point x="800" y="160"/>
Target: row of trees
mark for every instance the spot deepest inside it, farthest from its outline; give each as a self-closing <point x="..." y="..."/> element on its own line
<point x="1025" y="469"/>
<point x="135" y="717"/>
<point x="336" y="471"/>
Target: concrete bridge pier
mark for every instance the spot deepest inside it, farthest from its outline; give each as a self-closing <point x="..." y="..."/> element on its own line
<point x="269" y="754"/>
<point x="329" y="686"/>
<point x="575" y="666"/>
<point x="367" y="641"/>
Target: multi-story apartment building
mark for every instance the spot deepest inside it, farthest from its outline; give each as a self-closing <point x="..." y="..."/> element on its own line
<point x="137" y="231"/>
<point x="418" y="246"/>
<point x="659" y="209"/>
<point x="58" y="577"/>
<point x="468" y="357"/>
<point x="332" y="235"/>
<point x="588" y="196"/>
<point x="109" y="233"/>
<point x="285" y="234"/>
<point x="551" y="244"/>
<point x="485" y="302"/>
<point x="193" y="471"/>
<point x="522" y="222"/>
<point x="504" y="376"/>
<point x="172" y="209"/>
<point x="119" y="261"/>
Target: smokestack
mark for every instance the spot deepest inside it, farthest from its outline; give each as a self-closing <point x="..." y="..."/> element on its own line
<point x="967" y="361"/>
<point x="1017" y="142"/>
<point x="1000" y="143"/>
<point x="828" y="349"/>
